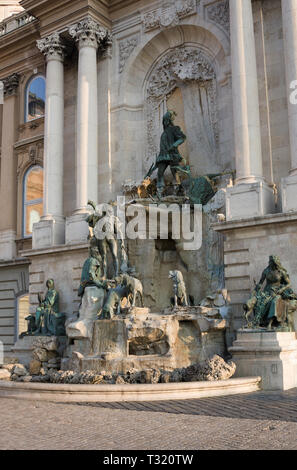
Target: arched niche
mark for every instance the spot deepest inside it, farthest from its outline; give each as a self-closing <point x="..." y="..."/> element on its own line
<point x="140" y="126"/>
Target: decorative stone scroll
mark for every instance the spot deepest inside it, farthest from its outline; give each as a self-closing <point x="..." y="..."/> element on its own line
<point x="88" y="33"/>
<point x="126" y="47"/>
<point x="180" y="65"/>
<point x="52" y="47"/>
<point x="11" y="84"/>
<point x="169" y="14"/>
<point x="219" y="13"/>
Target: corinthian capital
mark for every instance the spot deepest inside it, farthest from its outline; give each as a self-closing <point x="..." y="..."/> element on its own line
<point x="52" y="47"/>
<point x="89" y="33"/>
<point x="11" y="84"/>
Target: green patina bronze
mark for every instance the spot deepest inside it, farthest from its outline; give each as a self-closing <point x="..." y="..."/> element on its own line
<point x="48" y="321"/>
<point x="171" y="138"/>
<point x="91" y="271"/>
<point x="200" y="189"/>
<point x="272" y="304"/>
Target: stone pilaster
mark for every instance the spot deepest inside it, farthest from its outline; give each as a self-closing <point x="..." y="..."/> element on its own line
<point x="251" y="196"/>
<point x="50" y="231"/>
<point x="90" y="37"/>
<point x="289" y="184"/>
<point x="11" y="84"/>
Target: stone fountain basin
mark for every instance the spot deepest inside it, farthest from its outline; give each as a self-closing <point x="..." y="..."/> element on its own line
<point x="135" y="392"/>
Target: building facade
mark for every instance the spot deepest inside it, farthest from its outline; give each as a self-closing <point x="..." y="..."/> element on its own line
<point x="85" y="85"/>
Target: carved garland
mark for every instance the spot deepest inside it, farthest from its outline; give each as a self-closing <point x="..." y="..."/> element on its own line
<point x="182" y="64"/>
<point x="126" y="47"/>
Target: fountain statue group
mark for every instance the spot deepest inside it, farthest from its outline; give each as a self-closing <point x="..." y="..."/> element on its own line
<point x="102" y="297"/>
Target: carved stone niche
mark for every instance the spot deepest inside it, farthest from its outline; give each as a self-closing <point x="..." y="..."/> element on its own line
<point x="188" y="68"/>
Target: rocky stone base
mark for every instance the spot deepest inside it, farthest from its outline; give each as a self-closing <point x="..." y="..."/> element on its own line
<point x="213" y="369"/>
<point x="141" y="340"/>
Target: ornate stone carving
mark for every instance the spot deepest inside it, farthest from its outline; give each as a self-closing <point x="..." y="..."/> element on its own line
<point x="89" y="33"/>
<point x="182" y="64"/>
<point x="11" y="84"/>
<point x="169" y="14"/>
<point x="219" y="13"/>
<point x="126" y="47"/>
<point x="29" y="155"/>
<point x="52" y="47"/>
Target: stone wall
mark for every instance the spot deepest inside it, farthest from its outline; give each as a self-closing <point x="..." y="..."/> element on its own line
<point x="64" y="266"/>
<point x="144" y="75"/>
<point x="14" y="282"/>
<point x="248" y="245"/>
<point x="272" y="89"/>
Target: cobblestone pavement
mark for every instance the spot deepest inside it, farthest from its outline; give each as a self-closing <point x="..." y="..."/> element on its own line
<point x="256" y="421"/>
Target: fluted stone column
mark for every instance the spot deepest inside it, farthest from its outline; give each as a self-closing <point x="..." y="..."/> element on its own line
<point x="90" y="37"/>
<point x="289" y="184"/>
<point x="250" y="196"/>
<point x="8" y="189"/>
<point x="50" y="231"/>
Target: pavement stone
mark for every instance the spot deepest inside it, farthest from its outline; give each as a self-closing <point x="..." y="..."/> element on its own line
<point x="258" y="421"/>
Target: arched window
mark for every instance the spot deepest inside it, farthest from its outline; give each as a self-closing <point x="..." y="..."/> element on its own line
<point x="33" y="199"/>
<point x="35" y="98"/>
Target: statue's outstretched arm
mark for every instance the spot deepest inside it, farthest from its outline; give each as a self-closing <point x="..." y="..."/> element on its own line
<point x="92" y="204"/>
<point x="179" y="136"/>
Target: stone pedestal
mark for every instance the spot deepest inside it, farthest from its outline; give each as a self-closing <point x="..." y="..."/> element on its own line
<point x="110" y="339"/>
<point x="92" y="303"/>
<point x="249" y="200"/>
<point x="77" y="230"/>
<point x="7" y="244"/>
<point x="269" y="354"/>
<point x="48" y="232"/>
<point x="289" y="193"/>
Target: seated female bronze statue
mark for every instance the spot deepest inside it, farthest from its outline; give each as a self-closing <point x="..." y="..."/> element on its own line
<point x="271" y="305"/>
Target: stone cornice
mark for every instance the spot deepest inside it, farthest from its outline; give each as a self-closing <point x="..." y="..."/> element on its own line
<point x="57" y="15"/>
<point x="252" y="223"/>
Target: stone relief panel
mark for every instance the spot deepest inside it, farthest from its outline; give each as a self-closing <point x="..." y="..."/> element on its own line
<point x="126" y="47"/>
<point x="31" y="154"/>
<point x="169" y="14"/>
<point x="189" y="69"/>
<point x="219" y="14"/>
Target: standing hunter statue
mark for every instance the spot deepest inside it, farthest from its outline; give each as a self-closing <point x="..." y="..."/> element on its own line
<point x="169" y="155"/>
<point x="199" y="189"/>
